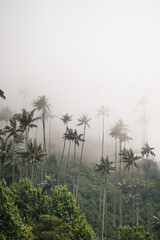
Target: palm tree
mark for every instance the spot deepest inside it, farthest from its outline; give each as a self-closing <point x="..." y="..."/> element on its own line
<point x="5" y="153"/>
<point x="65" y="118"/>
<point x="104" y="168"/>
<point x="26" y="121"/>
<point x="122" y="130"/>
<point x="16" y="133"/>
<point x="48" y="185"/>
<point x="103" y="111"/>
<point x="5" y="114"/>
<point x="114" y="133"/>
<point x="76" y="139"/>
<point x="2" y="94"/>
<point x="129" y="158"/>
<point x="132" y="200"/>
<point x="69" y="135"/>
<point x="82" y="121"/>
<point x="41" y="104"/>
<point x="34" y="154"/>
<point x="147" y="151"/>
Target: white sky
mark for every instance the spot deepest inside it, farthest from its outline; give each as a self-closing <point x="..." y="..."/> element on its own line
<point x="82" y="54"/>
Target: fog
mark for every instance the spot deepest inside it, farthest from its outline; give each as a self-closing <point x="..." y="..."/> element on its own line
<point x="81" y="55"/>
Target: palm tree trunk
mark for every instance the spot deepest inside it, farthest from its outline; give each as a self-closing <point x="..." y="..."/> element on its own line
<point x="74" y="172"/>
<point x="100" y="197"/>
<point x="103" y="215"/>
<point x="120" y="194"/>
<point x="103" y="137"/>
<point x="114" y="208"/>
<point x="148" y="190"/>
<point x="44" y="147"/>
<point x="69" y="149"/>
<point x="80" y="165"/>
<point x="137" y="216"/>
<point x="3" y="170"/>
<point x="32" y="172"/>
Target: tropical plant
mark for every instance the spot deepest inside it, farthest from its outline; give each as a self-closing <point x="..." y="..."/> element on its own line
<point x="84" y="120"/>
<point x="41" y="104"/>
<point x="129" y="158"/>
<point x="65" y="119"/>
<point x="48" y="185"/>
<point x="34" y="154"/>
<point x="146" y="152"/>
<point x="104" y="168"/>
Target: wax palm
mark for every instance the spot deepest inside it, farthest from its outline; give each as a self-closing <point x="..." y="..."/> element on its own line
<point x="83" y="121"/>
<point x="122" y="131"/>
<point x="26" y="121"/>
<point x="132" y="200"/>
<point x="76" y="139"/>
<point x="104" y="168"/>
<point x="114" y="133"/>
<point x="130" y="159"/>
<point x="147" y="151"/>
<point x="5" y="114"/>
<point x="34" y="154"/>
<point x="143" y="103"/>
<point x="65" y="119"/>
<point x="48" y="185"/>
<point x="41" y="104"/>
<point x="103" y="111"/>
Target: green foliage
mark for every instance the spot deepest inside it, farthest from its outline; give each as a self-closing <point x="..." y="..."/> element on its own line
<point x="135" y="233"/>
<point x="11" y="224"/>
<point x="51" y="227"/>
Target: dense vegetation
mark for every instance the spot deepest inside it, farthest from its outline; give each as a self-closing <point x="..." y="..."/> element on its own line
<point x="44" y="195"/>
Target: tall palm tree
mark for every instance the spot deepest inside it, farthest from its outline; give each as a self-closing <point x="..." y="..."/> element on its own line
<point x="34" y="153"/>
<point x="65" y="119"/>
<point x="5" y="114"/>
<point x="130" y="159"/>
<point x="114" y="133"/>
<point x="147" y="151"/>
<point x="48" y="185"/>
<point x="76" y="139"/>
<point x="26" y="121"/>
<point x="104" y="168"/>
<point x="69" y="135"/>
<point x="16" y="134"/>
<point x="103" y="111"/>
<point x="2" y="94"/>
<point x="41" y="104"/>
<point x="122" y="130"/>
<point x="84" y="120"/>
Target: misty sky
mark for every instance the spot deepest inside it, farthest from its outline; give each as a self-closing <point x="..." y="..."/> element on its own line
<point x="83" y="54"/>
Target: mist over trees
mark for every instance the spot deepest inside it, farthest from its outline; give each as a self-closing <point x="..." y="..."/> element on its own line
<point x="118" y="193"/>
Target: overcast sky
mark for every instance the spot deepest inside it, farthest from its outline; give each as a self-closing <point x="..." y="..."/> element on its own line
<point x="83" y="54"/>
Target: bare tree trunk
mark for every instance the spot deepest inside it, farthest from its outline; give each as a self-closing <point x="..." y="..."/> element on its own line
<point x="103" y="215"/>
